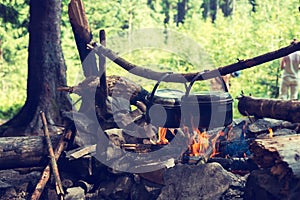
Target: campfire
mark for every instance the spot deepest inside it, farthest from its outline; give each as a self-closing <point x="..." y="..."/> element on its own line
<point x="174" y="145"/>
<point x="128" y="143"/>
<point x="200" y="144"/>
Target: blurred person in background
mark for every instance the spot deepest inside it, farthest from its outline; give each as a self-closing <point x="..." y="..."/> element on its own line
<point x="289" y="79"/>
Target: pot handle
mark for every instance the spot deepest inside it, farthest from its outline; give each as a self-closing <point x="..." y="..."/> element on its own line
<point x="197" y="76"/>
<point x="157" y="84"/>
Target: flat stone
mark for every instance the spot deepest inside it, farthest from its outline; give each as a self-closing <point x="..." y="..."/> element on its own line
<point x="207" y="181"/>
<point x="75" y="193"/>
<point x="262" y="125"/>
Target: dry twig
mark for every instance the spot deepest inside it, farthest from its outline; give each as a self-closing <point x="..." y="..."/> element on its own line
<point x="46" y="173"/>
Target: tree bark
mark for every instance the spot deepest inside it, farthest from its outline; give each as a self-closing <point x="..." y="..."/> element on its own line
<point x="19" y="152"/>
<point x="227" y="7"/>
<point x="271" y="108"/>
<point x="280" y="153"/>
<point x="83" y="36"/>
<point x="181" y="11"/>
<point x="46" y="72"/>
<point x="179" y="78"/>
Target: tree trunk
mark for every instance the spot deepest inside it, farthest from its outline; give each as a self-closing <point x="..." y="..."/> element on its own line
<point x="272" y="108"/>
<point x="253" y="4"/>
<point x="227" y="7"/>
<point x="181" y="11"/>
<point x="46" y="72"/>
<point x="166" y="10"/>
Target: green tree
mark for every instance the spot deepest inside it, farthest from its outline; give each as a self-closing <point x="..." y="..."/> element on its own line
<point x="46" y="72"/>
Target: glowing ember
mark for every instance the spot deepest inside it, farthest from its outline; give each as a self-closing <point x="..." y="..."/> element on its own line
<point x="162" y="132"/>
<point x="270" y="132"/>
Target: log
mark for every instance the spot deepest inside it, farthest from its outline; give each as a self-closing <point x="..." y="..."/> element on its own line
<point x="187" y="77"/>
<point x="271" y="108"/>
<point x="280" y="153"/>
<point x="21" y="152"/>
<point x="116" y="86"/>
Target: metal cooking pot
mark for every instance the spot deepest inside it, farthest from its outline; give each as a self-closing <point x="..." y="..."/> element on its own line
<point x="163" y="106"/>
<point x="207" y="109"/>
<point x="173" y="108"/>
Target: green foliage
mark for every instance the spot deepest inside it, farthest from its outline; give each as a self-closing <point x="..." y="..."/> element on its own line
<point x="242" y="35"/>
<point x="13" y="59"/>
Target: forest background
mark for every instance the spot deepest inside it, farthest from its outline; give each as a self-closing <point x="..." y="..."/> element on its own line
<point x="226" y="30"/>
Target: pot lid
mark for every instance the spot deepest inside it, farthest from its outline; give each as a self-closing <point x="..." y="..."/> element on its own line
<point x="209" y="96"/>
<point x="168" y="97"/>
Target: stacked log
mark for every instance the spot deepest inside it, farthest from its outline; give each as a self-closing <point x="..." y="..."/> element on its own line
<point x="281" y="154"/>
<point x="19" y="152"/>
<point x="272" y="108"/>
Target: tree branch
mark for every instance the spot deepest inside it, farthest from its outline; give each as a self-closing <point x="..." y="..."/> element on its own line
<point x="187" y="77"/>
<point x="59" y="188"/>
<point x="63" y="142"/>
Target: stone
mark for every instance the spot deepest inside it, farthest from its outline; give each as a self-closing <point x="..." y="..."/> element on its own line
<point x="207" y="182"/>
<point x="262" y="125"/>
<point x="14" y="185"/>
<point x="122" y="187"/>
<point x="4" y="185"/>
<point x="75" y="193"/>
<point x="9" y="193"/>
<point x="146" y="189"/>
<point x="138" y="191"/>
<point x="105" y="189"/>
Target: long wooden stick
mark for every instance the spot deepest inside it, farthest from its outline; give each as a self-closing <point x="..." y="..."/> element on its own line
<point x="184" y="77"/>
<point x="102" y="64"/>
<point x="59" y="188"/>
<point x="102" y="92"/>
<point x="46" y="173"/>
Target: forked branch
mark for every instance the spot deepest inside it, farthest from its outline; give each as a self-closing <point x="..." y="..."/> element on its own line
<point x="187" y="77"/>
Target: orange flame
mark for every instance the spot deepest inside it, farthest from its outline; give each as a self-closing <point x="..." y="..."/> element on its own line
<point x="215" y="143"/>
<point x="162" y="132"/>
<point x="270" y="132"/>
<point x="201" y="143"/>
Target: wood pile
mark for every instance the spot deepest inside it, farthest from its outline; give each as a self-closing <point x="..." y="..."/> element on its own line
<point x="280" y="153"/>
